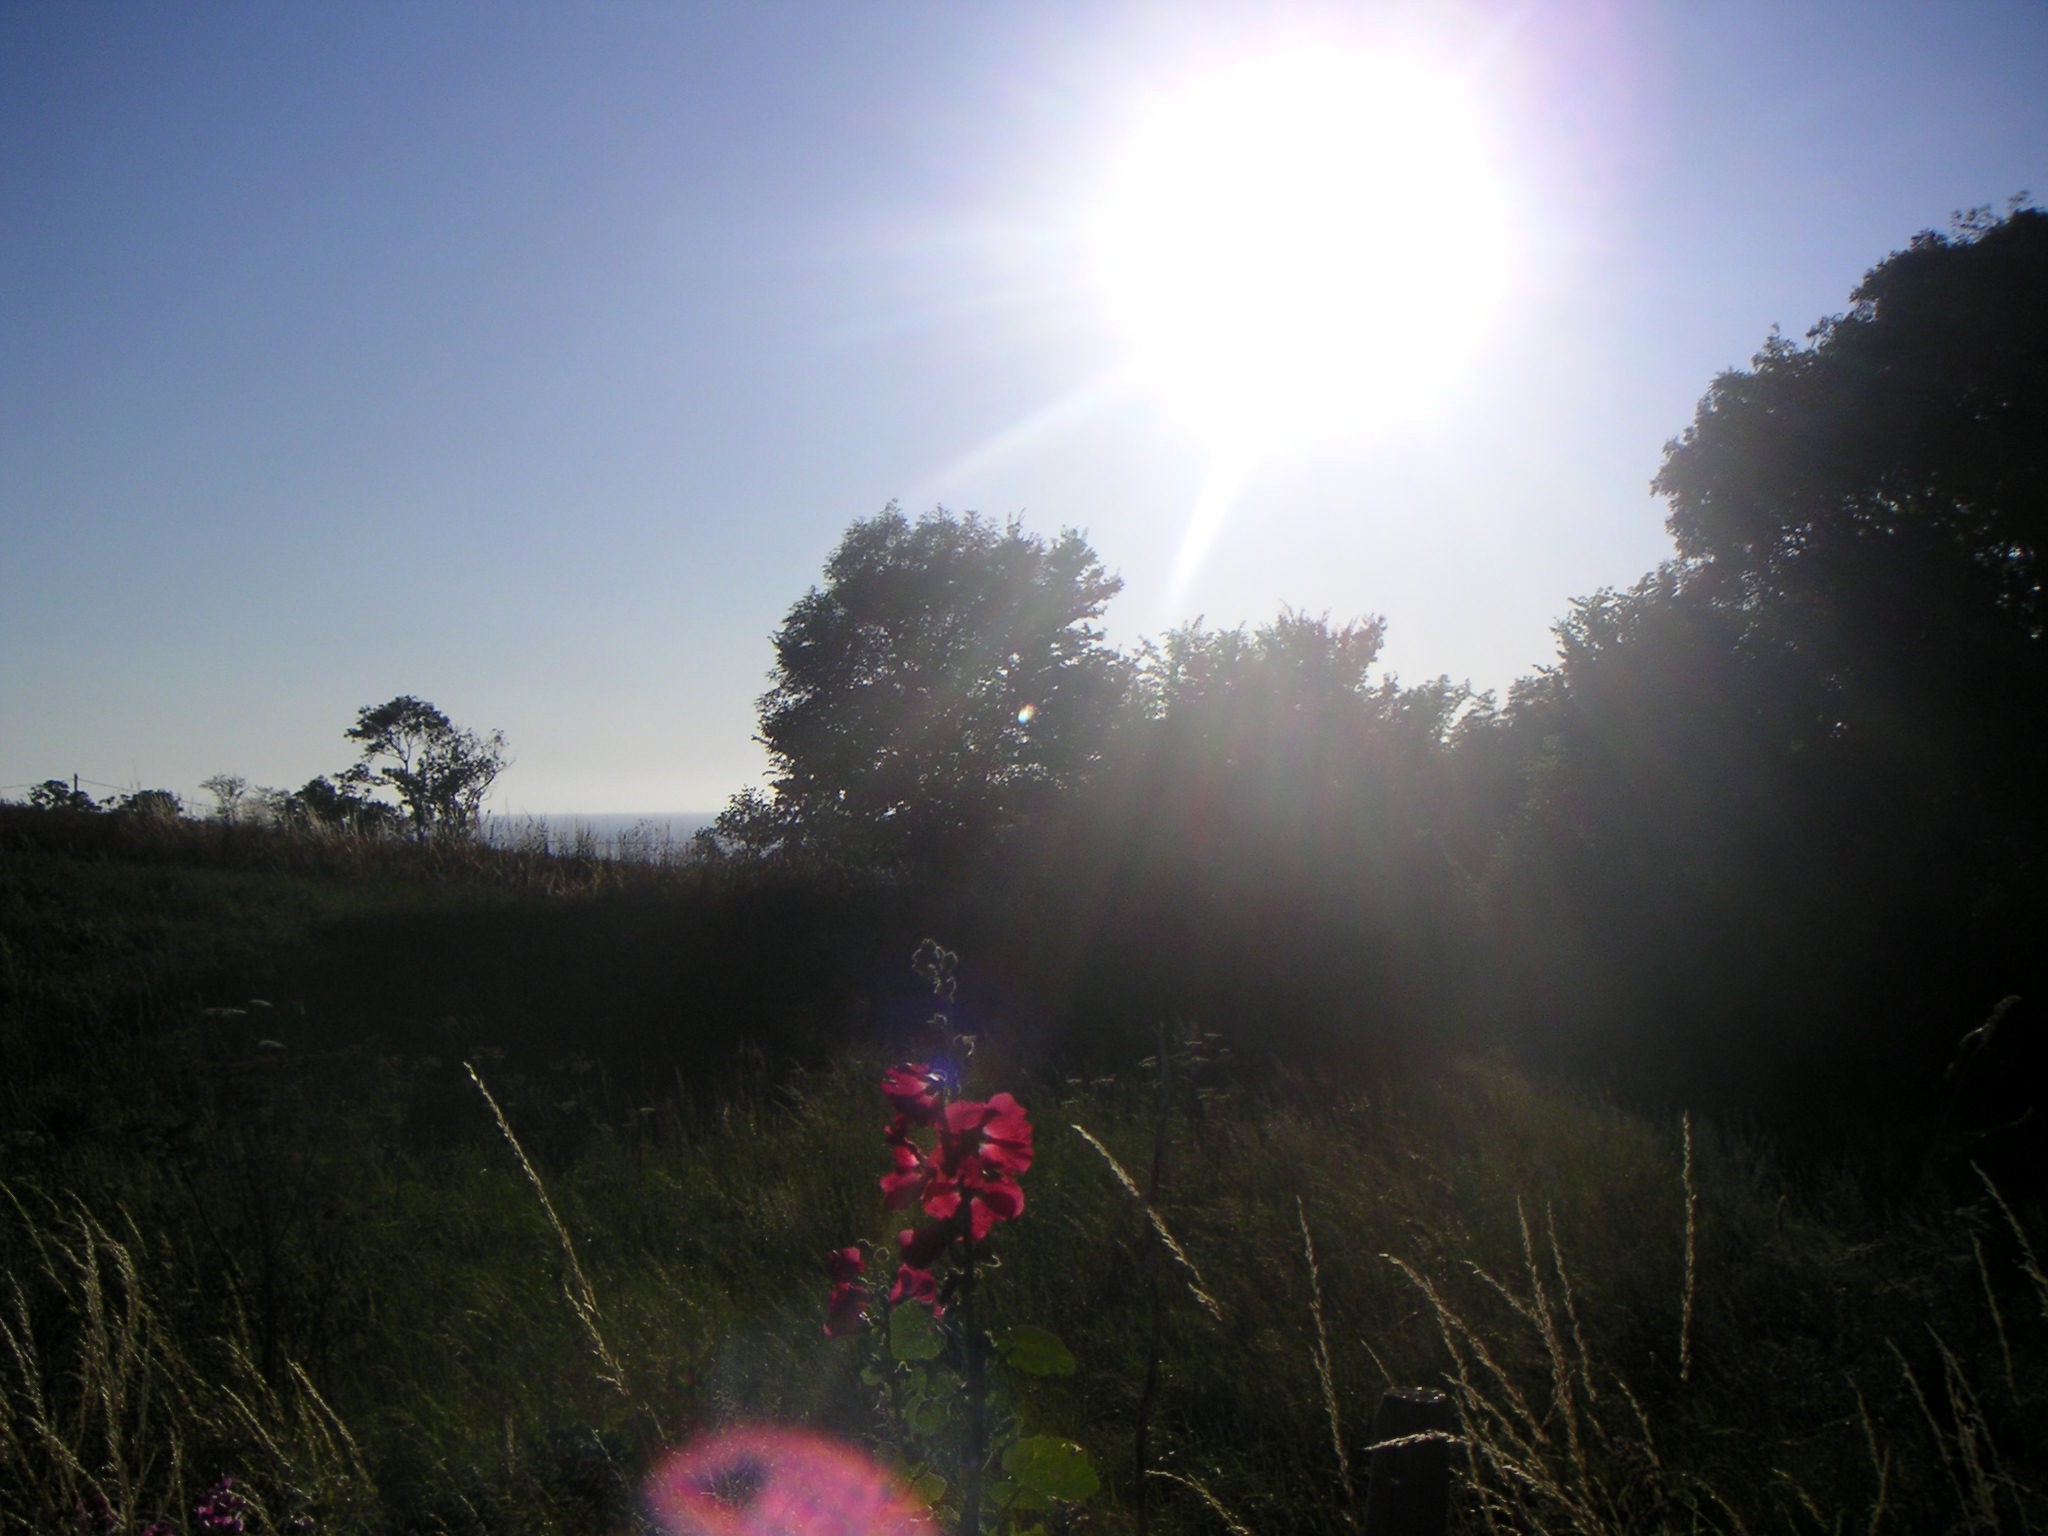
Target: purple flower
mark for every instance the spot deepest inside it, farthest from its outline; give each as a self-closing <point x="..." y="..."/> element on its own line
<point x="221" y="1509"/>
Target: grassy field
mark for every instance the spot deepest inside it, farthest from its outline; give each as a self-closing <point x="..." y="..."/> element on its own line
<point x="259" y="1220"/>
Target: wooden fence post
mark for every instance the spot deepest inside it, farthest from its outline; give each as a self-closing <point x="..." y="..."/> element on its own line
<point x="1409" y="1487"/>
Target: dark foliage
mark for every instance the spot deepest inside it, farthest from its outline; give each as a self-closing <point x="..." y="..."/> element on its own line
<point x="938" y="691"/>
<point x="1783" y="838"/>
<point x="439" y="773"/>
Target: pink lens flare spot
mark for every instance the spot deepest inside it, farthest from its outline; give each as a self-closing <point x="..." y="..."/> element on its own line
<point x="760" y="1480"/>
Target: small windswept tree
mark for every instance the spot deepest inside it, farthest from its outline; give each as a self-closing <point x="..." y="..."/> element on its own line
<point x="438" y="772"/>
<point x="230" y="793"/>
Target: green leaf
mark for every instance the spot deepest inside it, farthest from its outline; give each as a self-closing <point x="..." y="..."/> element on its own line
<point x="928" y="1417"/>
<point x="1057" y="1468"/>
<point x="929" y="1486"/>
<point x="913" y="1335"/>
<point x="1036" y="1351"/>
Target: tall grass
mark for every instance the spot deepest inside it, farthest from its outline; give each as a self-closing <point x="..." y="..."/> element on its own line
<point x="259" y="1222"/>
<point x="105" y="1406"/>
<point x="511" y="1364"/>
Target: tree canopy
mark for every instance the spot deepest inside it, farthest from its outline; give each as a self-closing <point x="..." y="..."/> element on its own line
<point x="942" y="684"/>
<point x="1912" y="429"/>
<point x="1782" y="823"/>
<point x="1876" y="500"/>
<point x="439" y="773"/>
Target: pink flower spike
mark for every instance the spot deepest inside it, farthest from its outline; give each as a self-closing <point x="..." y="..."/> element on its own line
<point x="913" y="1178"/>
<point x="1006" y="1136"/>
<point x="991" y="1201"/>
<point x="942" y="1199"/>
<point x="912" y="1090"/>
<point x="993" y="1138"/>
<point x="846" y="1310"/>
<point x="964" y="1116"/>
<point x="915" y="1285"/>
<point x="919" y="1246"/>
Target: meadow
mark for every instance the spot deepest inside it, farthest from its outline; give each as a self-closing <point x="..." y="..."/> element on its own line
<point x="440" y="1189"/>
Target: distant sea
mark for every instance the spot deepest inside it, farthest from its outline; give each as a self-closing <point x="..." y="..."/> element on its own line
<point x="651" y="835"/>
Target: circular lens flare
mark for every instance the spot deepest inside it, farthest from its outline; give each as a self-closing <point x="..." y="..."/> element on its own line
<point x="765" y="1481"/>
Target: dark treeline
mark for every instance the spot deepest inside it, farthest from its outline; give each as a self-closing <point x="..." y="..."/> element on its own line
<point x="1766" y="838"/>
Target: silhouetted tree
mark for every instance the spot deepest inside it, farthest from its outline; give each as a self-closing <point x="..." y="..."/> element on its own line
<point x="320" y="802"/>
<point x="1262" y="851"/>
<point x="230" y="791"/>
<point x="58" y="795"/>
<point x="1877" y="501"/>
<point x="1781" y="825"/>
<point x="439" y="773"/>
<point x="1910" y="432"/>
<point x="941" y="688"/>
<point x="158" y="805"/>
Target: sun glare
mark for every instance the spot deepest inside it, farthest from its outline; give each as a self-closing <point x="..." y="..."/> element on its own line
<point x="1302" y="245"/>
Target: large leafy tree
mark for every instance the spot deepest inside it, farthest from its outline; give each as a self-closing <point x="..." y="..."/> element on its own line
<point x="1877" y="499"/>
<point x="940" y="688"/>
<point x="1783" y="824"/>
<point x="438" y="772"/>
<point x="1265" y="850"/>
<point x="1913" y="426"/>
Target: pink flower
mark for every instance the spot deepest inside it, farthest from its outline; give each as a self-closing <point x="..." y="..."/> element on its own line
<point x="846" y="1309"/>
<point x="912" y="1090"/>
<point x="918" y="1247"/>
<point x="915" y="1285"/>
<point x="985" y="1200"/>
<point x="996" y="1134"/>
<point x="912" y="1175"/>
<point x="971" y="1173"/>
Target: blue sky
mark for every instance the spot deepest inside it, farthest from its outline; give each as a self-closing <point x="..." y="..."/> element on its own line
<point x="532" y="359"/>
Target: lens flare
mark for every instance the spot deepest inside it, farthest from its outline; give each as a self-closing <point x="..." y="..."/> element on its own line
<point x="1304" y="244"/>
<point x="762" y="1480"/>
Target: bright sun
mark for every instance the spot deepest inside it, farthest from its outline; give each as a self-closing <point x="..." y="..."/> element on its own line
<point x="1302" y="245"/>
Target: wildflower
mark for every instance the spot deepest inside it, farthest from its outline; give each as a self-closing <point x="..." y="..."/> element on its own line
<point x="915" y="1285"/>
<point x="912" y="1176"/>
<point x="983" y="1148"/>
<point x="997" y="1134"/>
<point x="919" y="1246"/>
<point x="971" y="1171"/>
<point x="912" y="1090"/>
<point x="846" y="1308"/>
<point x="221" y="1509"/>
<point x="986" y="1201"/>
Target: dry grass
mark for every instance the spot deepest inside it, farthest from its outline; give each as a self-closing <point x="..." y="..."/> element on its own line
<point x="102" y="1404"/>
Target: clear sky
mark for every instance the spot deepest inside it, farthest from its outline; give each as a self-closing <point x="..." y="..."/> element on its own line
<point x="532" y="359"/>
